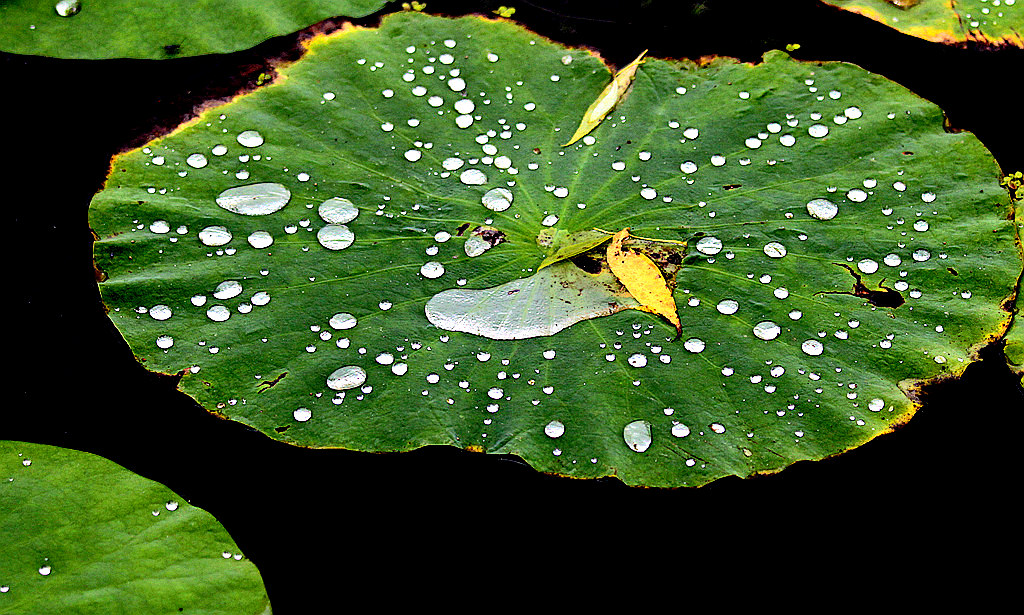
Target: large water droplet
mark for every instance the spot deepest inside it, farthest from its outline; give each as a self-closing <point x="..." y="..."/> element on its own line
<point x="867" y="266"/>
<point x="476" y="245"/>
<point x="495" y="199"/>
<point x="255" y="199"/>
<point x="335" y="237"/>
<point x="218" y="313"/>
<point x="818" y="130"/>
<point x="338" y="211"/>
<point x="67" y="8"/>
<point x="160" y="312"/>
<point x="637" y="436"/>
<point x="196" y="161"/>
<point x="214" y="236"/>
<point x="822" y="209"/>
<point x="250" y="138"/>
<point x="348" y="377"/>
<point x="694" y="345"/>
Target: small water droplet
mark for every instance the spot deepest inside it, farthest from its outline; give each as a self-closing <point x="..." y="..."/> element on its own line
<point x="338" y="211"/>
<point x="637" y="436"/>
<point x="637" y="360"/>
<point x="214" y="236"/>
<point x="250" y="138"/>
<point x="812" y="347"/>
<point x="432" y="270"/>
<point x="342" y="320"/>
<point x="867" y="266"/>
<point x="688" y="167"/>
<point x="857" y="195"/>
<point x="767" y="330"/>
<point x="260" y="240"/>
<point x="68" y="8"/>
<point x="822" y="209"/>
<point x="473" y="177"/>
<point x="818" y="131"/>
<point x="348" y="377"/>
<point x="728" y="306"/>
<point x="709" y="245"/>
<point x="335" y="237"/>
<point x="775" y="250"/>
<point x="495" y="199"/>
<point x="554" y="429"/>
<point x="196" y="161"/>
<point x="694" y="345"/>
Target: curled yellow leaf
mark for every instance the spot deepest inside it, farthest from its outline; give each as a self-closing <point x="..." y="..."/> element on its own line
<point x="612" y="94"/>
<point x="643" y="280"/>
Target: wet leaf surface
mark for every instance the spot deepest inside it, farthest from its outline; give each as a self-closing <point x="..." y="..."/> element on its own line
<point x="158" y="29"/>
<point x="84" y="535"/>
<point x="767" y="372"/>
<point x="988" y="22"/>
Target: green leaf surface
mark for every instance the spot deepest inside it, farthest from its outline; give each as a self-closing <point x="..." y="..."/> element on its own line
<point x="990" y="22"/>
<point x="83" y="535"/>
<point x="158" y="29"/>
<point x="338" y="347"/>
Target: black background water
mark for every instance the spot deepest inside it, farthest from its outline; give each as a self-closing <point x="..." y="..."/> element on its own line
<point x="441" y="525"/>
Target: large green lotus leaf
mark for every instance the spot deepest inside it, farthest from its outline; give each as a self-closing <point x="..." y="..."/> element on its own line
<point x="990" y="22"/>
<point x="158" y="29"/>
<point x="81" y="534"/>
<point x="423" y="121"/>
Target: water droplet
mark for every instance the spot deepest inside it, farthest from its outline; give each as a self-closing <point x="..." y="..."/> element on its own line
<point x="857" y="195"/>
<point x="159" y="227"/>
<point x="718" y="160"/>
<point x="688" y="167"/>
<point x="164" y="342"/>
<point x="250" y="138"/>
<point x="335" y="237"/>
<point x="767" y="330"/>
<point x="549" y="220"/>
<point x="867" y="266"/>
<point x="464" y="106"/>
<point x="45" y="570"/>
<point x="255" y="199"/>
<point x="196" y="161"/>
<point x="413" y="155"/>
<point x="218" y="313"/>
<point x="928" y="197"/>
<point x="921" y="226"/>
<point x="728" y="306"/>
<point x="921" y="255"/>
<point x="432" y="270"/>
<point x="260" y="240"/>
<point x="385" y="358"/>
<point x="495" y="199"/>
<point x="348" y="377"/>
<point x="787" y="140"/>
<point x="637" y="436"/>
<point x="228" y="289"/>
<point x="302" y="414"/>
<point x="473" y="177"/>
<point x="812" y="347"/>
<point x="691" y="133"/>
<point x="214" y="236"/>
<point x="717" y="427"/>
<point x="822" y="209"/>
<point x="709" y="245"/>
<point x="694" y="345"/>
<point x="68" y="8"/>
<point x="775" y="250"/>
<point x="160" y="312"/>
<point x="876" y="405"/>
<point x="680" y="431"/>
<point x="853" y="113"/>
<point x="818" y="130"/>
<point x="554" y="429"/>
<point x="342" y="320"/>
<point x="637" y="360"/>
<point x="338" y="211"/>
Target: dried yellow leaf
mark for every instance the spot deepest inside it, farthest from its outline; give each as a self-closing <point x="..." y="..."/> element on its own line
<point x="612" y="95"/>
<point x="643" y="280"/>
